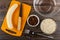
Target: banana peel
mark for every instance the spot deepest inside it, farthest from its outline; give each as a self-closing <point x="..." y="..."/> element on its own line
<point x="13" y="29"/>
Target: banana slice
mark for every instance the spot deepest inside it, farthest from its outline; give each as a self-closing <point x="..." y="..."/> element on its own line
<point x="9" y="16"/>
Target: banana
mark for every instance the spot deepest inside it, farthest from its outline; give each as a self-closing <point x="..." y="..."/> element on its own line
<point x="9" y="15"/>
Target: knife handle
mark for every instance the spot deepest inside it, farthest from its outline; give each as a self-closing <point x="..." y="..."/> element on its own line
<point x="19" y="23"/>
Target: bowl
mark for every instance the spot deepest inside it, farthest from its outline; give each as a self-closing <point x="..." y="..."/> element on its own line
<point x="48" y="26"/>
<point x="33" y="20"/>
<point x="46" y="8"/>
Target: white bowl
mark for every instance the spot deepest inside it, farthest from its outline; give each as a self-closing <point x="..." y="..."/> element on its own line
<point x="37" y="22"/>
<point x="48" y="26"/>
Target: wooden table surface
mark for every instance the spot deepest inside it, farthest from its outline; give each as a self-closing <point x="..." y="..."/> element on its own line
<point x="3" y="9"/>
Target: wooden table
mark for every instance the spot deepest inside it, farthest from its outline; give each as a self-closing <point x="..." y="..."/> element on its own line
<point x="3" y="36"/>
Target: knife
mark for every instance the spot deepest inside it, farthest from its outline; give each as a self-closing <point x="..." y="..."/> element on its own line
<point x="19" y="19"/>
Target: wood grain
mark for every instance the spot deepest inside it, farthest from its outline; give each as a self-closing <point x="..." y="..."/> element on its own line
<point x="4" y="36"/>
